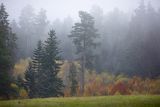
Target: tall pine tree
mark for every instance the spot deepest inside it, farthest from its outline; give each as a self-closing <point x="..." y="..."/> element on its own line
<point x="84" y="35"/>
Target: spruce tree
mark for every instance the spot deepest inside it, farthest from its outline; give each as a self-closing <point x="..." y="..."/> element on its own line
<point x="30" y="83"/>
<point x="37" y="59"/>
<point x="7" y="46"/>
<point x="38" y="62"/>
<point x="84" y="35"/>
<point x="34" y="72"/>
<point x="41" y="75"/>
<point x="51" y="84"/>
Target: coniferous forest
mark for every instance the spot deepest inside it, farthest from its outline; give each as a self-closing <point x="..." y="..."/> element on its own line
<point x="95" y="53"/>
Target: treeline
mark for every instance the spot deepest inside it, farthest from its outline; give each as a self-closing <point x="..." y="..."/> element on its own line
<point x="33" y="26"/>
<point x="128" y="44"/>
<point x="98" y="42"/>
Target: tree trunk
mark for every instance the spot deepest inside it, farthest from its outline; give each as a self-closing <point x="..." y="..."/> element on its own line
<point x="83" y="61"/>
<point x="82" y="76"/>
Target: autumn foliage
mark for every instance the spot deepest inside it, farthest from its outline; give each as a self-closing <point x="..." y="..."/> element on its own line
<point x="101" y="84"/>
<point x="108" y="84"/>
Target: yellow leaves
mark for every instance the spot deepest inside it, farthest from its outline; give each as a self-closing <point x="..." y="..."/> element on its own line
<point x="14" y="86"/>
<point x="97" y="84"/>
<point x="23" y="93"/>
<point x="20" y="67"/>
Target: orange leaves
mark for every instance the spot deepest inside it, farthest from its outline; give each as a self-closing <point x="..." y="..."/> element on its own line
<point x="108" y="84"/>
<point x="144" y="86"/>
<point x="95" y="87"/>
<point x="120" y="87"/>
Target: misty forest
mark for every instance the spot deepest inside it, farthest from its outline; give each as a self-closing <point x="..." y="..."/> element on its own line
<point x="95" y="53"/>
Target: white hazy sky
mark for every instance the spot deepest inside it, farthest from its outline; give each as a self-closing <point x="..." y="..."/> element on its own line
<point x="63" y="8"/>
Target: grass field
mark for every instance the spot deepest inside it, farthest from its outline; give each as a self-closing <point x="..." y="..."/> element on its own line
<point x="102" y="101"/>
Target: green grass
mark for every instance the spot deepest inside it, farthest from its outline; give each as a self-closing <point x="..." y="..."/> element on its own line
<point x="102" y="101"/>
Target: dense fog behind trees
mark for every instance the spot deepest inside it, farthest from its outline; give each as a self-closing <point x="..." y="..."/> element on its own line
<point x="129" y="42"/>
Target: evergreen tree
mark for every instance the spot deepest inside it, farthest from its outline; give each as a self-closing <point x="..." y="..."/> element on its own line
<point x="7" y="46"/>
<point x="19" y="81"/>
<point x="30" y="83"/>
<point x="41" y="75"/>
<point x="41" y="25"/>
<point x="27" y="32"/>
<point x="38" y="62"/>
<point x="37" y="59"/>
<point x="51" y="85"/>
<point x="84" y="35"/>
<point x="16" y="30"/>
<point x="141" y="55"/>
<point x="35" y="71"/>
<point x="73" y="79"/>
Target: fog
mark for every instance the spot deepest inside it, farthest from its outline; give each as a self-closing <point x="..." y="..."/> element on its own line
<point x="63" y="8"/>
<point x="53" y="48"/>
<point x="129" y="31"/>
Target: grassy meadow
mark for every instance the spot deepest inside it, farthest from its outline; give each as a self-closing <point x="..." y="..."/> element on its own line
<point x="100" y="101"/>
